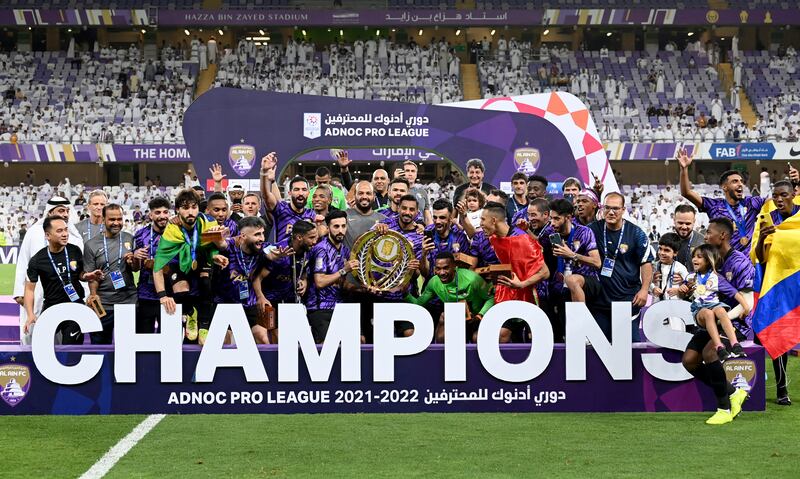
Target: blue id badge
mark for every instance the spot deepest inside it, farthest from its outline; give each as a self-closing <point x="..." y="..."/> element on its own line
<point x="244" y="290"/>
<point x="608" y="267"/>
<point x="70" y="290"/>
<point x="117" y="280"/>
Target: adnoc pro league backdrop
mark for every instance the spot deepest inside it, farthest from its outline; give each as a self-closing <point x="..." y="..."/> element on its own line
<point x="237" y="127"/>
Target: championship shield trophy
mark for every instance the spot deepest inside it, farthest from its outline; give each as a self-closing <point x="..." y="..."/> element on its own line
<point x="383" y="260"/>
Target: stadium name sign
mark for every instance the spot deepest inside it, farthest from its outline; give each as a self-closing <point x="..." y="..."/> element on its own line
<point x="405" y="374"/>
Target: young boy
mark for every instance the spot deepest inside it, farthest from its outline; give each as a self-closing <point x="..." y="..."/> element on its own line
<point x="668" y="273"/>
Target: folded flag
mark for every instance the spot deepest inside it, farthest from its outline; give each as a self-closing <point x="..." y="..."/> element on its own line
<point x="175" y="243"/>
<point x="776" y="317"/>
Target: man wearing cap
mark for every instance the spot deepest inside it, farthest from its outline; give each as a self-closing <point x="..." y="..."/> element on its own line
<point x="34" y="242"/>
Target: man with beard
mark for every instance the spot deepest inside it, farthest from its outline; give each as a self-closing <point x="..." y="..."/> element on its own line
<point x="586" y="207"/>
<point x="701" y="358"/>
<point x="322" y="177"/>
<point x="111" y="252"/>
<point x="451" y="285"/>
<point x="330" y="263"/>
<point x="284" y="277"/>
<point x="683" y="223"/>
<point x="407" y="227"/>
<point x="218" y="210"/>
<point x="33" y="242"/>
<point x="93" y="225"/>
<point x="573" y="257"/>
<point x="188" y="256"/>
<point x="360" y="220"/>
<point x="475" y="175"/>
<point x="398" y="188"/>
<point x="145" y="245"/>
<point x="59" y="266"/>
<point x="523" y="253"/>
<point x="235" y="284"/>
<point x="519" y="200"/>
<point x="743" y="212"/>
<point x="285" y="214"/>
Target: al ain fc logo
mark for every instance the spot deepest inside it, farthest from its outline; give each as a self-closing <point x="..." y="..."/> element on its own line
<point x="15" y="382"/>
<point x="312" y="125"/>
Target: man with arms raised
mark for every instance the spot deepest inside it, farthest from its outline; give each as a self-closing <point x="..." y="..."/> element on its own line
<point x="59" y="266"/>
<point x="627" y="268"/>
<point x="145" y="245"/>
<point x="111" y="253"/>
<point x="742" y="211"/>
<point x="285" y="214"/>
<point x="93" y="225"/>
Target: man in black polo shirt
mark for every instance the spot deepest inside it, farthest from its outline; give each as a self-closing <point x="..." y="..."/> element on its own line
<point x="60" y="267"/>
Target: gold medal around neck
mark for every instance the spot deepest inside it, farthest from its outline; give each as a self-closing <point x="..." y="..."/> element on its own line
<point x="744" y="240"/>
<point x="194" y="265"/>
<point x="701" y="289"/>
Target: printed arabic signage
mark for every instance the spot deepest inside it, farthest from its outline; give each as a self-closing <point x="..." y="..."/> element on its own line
<point x="294" y="125"/>
<point x="393" y="375"/>
<point x="369" y="155"/>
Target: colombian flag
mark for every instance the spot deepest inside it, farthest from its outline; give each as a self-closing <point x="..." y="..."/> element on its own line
<point x="776" y="317"/>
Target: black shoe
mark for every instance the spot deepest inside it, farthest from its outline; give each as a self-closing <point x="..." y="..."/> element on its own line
<point x="737" y="351"/>
<point x="723" y="354"/>
<point x="784" y="401"/>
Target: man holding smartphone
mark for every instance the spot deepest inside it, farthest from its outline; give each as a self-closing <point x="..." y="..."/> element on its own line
<point x="573" y="256"/>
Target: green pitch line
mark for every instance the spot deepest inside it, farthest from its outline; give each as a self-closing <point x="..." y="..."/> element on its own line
<point x="7" y="272"/>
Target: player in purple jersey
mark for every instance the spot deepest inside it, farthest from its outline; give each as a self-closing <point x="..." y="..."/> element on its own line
<point x="285" y="278"/>
<point x="219" y="211"/>
<point x="329" y="264"/>
<point x="145" y="245"/>
<point x="421" y="247"/>
<point x="285" y="214"/>
<point x="398" y="188"/>
<point x="574" y="254"/>
<point x="743" y="211"/>
<point x="234" y="284"/>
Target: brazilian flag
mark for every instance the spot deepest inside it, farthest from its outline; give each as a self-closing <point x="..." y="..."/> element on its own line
<point x="173" y="243"/>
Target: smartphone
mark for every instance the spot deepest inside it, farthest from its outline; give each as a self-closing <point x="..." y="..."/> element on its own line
<point x="429" y="234"/>
<point x="556" y="240"/>
<point x="237" y="201"/>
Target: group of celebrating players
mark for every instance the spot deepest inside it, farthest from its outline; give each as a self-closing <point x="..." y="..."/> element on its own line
<point x="198" y="252"/>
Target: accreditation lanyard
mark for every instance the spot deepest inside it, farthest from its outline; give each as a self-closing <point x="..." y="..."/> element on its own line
<point x="739" y="218"/>
<point x="69" y="289"/>
<point x="192" y="243"/>
<point x="153" y="241"/>
<point x="561" y="262"/>
<point x="105" y="251"/>
<point x="608" y="262"/>
<point x="669" y="281"/>
<point x="247" y="266"/>
<point x="89" y="228"/>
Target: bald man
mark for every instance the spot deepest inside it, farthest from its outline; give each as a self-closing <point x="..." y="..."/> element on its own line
<point x="380" y="187"/>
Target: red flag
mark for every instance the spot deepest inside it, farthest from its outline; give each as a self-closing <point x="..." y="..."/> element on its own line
<point x="524" y="254"/>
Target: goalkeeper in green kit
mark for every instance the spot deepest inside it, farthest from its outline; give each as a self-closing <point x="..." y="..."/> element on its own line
<point x="451" y="285"/>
